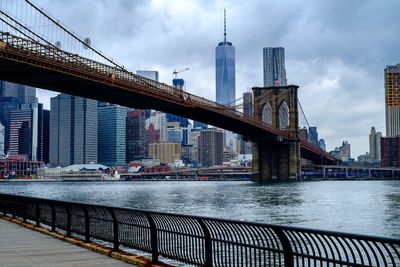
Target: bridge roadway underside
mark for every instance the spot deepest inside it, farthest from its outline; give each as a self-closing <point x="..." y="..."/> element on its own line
<point x="54" y="78"/>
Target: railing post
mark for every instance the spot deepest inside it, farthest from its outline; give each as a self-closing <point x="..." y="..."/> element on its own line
<point x="68" y="210"/>
<point x="153" y="238"/>
<point x="115" y="229"/>
<point x="87" y="224"/>
<point x="53" y="217"/>
<point x="37" y="214"/>
<point x="287" y="249"/>
<point x="207" y="244"/>
<point x="24" y="207"/>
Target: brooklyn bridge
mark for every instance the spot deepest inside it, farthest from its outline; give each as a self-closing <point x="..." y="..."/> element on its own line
<point x="33" y="57"/>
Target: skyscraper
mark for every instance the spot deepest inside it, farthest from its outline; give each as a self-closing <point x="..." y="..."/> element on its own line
<point x="29" y="132"/>
<point x="248" y="104"/>
<point x="375" y="145"/>
<point x="392" y="99"/>
<point x="13" y="95"/>
<point x="136" y="147"/>
<point x="313" y="136"/>
<point x="211" y="148"/>
<point x="2" y="137"/>
<point x="111" y="134"/>
<point x="73" y="130"/>
<point x="225" y="71"/>
<point x="274" y="66"/>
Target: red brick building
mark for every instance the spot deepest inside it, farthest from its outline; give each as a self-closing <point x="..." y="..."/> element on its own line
<point x="390" y="151"/>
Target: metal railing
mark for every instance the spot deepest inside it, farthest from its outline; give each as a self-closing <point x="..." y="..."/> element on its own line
<point x="204" y="241"/>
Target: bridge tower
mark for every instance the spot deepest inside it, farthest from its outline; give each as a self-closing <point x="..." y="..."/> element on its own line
<point x="273" y="158"/>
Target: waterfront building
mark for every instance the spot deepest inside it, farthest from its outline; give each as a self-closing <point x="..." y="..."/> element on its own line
<point x="73" y="130"/>
<point x="111" y="134"/>
<point x="390" y="151"/>
<point x="313" y="136"/>
<point x="13" y="95"/>
<point x="375" y="145"/>
<point x="211" y="147"/>
<point x="165" y="152"/>
<point x="152" y="135"/>
<point x="225" y="71"/>
<point x="187" y="153"/>
<point x="343" y="152"/>
<point x="194" y="142"/>
<point x="392" y="100"/>
<point x="29" y="132"/>
<point x="136" y="148"/>
<point x="185" y="135"/>
<point x="159" y="120"/>
<point x="364" y="159"/>
<point x="274" y="66"/>
<point x="174" y="132"/>
<point x="2" y="139"/>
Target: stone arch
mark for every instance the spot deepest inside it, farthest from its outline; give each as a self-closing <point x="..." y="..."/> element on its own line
<point x="283" y="115"/>
<point x="266" y="113"/>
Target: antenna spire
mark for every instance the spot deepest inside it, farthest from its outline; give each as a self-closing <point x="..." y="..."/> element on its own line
<point x="224" y="25"/>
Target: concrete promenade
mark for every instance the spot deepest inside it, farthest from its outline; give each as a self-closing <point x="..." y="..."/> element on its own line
<point x="22" y="247"/>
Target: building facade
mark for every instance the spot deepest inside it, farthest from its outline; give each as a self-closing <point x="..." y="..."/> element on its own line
<point x="12" y="96"/>
<point x="211" y="147"/>
<point x="29" y="132"/>
<point x="165" y="152"/>
<point x="111" y="134"/>
<point x="136" y="148"/>
<point x="375" y="145"/>
<point x="390" y="151"/>
<point x="274" y="66"/>
<point x="2" y="140"/>
<point x="73" y="130"/>
<point x="159" y="120"/>
<point x="392" y="100"/>
<point x="313" y="136"/>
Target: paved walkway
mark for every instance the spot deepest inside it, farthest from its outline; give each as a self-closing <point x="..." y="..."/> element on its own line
<point x="21" y="247"/>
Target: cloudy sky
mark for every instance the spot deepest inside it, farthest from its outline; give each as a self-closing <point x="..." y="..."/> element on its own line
<point x="336" y="50"/>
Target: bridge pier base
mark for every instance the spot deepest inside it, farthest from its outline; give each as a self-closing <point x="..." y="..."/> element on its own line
<point x="276" y="162"/>
<point x="276" y="159"/>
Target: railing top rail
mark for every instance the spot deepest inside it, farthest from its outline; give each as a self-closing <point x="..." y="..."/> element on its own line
<point x="204" y="218"/>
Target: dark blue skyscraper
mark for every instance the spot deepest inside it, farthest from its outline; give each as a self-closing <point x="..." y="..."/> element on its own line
<point x="225" y="71"/>
<point x="111" y="134"/>
<point x="313" y="136"/>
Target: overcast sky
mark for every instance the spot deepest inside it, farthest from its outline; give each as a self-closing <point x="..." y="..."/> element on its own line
<point x="336" y="50"/>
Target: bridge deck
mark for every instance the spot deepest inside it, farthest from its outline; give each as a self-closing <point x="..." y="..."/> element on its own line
<point x="23" y="247"/>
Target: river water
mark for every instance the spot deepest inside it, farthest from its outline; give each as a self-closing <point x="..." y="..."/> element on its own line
<point x="365" y="207"/>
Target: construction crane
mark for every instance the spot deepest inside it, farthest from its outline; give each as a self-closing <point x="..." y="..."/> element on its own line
<point x="176" y="72"/>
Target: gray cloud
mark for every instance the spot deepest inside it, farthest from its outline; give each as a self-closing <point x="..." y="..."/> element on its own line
<point x="335" y="50"/>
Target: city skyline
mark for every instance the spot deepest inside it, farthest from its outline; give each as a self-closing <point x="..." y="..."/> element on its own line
<point x="333" y="65"/>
